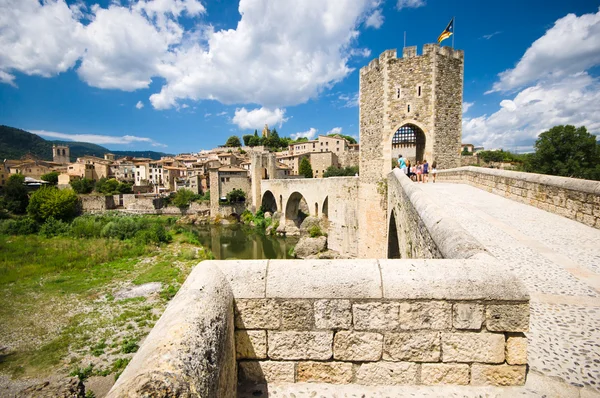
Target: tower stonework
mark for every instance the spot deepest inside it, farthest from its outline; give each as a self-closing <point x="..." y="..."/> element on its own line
<point x="61" y="154"/>
<point x="420" y="93"/>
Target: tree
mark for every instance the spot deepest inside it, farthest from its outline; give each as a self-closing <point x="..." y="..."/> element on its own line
<point x="247" y="139"/>
<point x="235" y="196"/>
<point x="350" y="140"/>
<point x="46" y="202"/>
<point x="233" y="141"/>
<point x="254" y="141"/>
<point x="566" y="151"/>
<point x="15" y="194"/>
<point x="305" y="168"/>
<point x="82" y="185"/>
<point x="183" y="198"/>
<point x="51" y="177"/>
<point x="333" y="171"/>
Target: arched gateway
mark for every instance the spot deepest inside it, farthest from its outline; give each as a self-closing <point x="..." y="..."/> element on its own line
<point x="409" y="141"/>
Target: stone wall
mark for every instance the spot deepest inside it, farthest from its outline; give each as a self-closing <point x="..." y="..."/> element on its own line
<point x="569" y="197"/>
<point x="380" y="322"/>
<point x="96" y="203"/>
<point x="418" y="228"/>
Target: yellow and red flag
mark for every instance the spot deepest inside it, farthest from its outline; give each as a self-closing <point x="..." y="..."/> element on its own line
<point x="447" y="32"/>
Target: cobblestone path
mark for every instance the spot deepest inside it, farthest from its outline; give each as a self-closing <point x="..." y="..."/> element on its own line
<point x="558" y="260"/>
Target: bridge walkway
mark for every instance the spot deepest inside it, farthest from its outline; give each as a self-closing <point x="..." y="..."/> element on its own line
<point x="558" y="259"/>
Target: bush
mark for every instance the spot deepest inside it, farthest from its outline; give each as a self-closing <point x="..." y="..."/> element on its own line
<point x="15" y="194"/>
<point x="49" y="202"/>
<point x="247" y="217"/>
<point x="155" y="234"/>
<point x="53" y="227"/>
<point x="20" y="226"/>
<point x="183" y="198"/>
<point x="86" y="227"/>
<point x="51" y="177"/>
<point x="333" y="171"/>
<point x="236" y="196"/>
<point x="82" y="185"/>
<point x="315" y="231"/>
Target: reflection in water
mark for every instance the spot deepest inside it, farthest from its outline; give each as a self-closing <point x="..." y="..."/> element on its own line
<point x="241" y="242"/>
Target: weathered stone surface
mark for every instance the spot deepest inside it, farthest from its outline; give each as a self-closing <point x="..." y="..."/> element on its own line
<point x="387" y="373"/>
<point x="70" y="387"/>
<point x="497" y="375"/>
<point x="375" y="316"/>
<point x="414" y="347"/>
<point x="434" y="315"/>
<point x="251" y="344"/>
<point x="266" y="371"/>
<point x="507" y="317"/>
<point x="308" y="246"/>
<point x="247" y="278"/>
<point x="444" y="373"/>
<point x="333" y="314"/>
<point x="257" y="314"/>
<point x="318" y="279"/>
<point x="467" y="316"/>
<point x="297" y="314"/>
<point x="516" y="350"/>
<point x="473" y="347"/>
<point x="357" y="346"/>
<point x="324" y="372"/>
<point x="300" y="345"/>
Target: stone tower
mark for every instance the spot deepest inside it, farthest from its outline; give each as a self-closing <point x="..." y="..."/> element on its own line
<point x="410" y="106"/>
<point x="266" y="132"/>
<point x="61" y="154"/>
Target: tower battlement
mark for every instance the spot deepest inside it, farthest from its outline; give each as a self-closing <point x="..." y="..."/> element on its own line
<point x="411" y="52"/>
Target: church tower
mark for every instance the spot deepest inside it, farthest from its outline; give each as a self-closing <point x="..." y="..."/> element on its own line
<point x="61" y="154"/>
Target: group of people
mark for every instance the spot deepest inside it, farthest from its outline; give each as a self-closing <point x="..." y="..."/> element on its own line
<point x="419" y="172"/>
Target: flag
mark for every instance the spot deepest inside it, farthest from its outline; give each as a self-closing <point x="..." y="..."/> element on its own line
<point x="447" y="32"/>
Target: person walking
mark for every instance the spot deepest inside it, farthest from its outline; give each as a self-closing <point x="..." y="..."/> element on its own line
<point x="434" y="169"/>
<point x="425" y="171"/>
<point x="402" y="164"/>
<point x="410" y="170"/>
<point x="419" y="172"/>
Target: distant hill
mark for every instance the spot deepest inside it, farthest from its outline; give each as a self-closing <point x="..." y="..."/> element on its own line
<point x="15" y="143"/>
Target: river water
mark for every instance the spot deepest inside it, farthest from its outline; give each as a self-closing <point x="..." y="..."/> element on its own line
<point x="238" y="241"/>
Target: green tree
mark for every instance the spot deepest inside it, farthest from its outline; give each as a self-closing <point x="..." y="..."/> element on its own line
<point x="305" y="168"/>
<point x="254" y="141"/>
<point x="46" y="202"/>
<point x="233" y="141"/>
<point x="82" y="185"/>
<point x="333" y="171"/>
<point x="566" y="151"/>
<point x="183" y="198"/>
<point x="247" y="138"/>
<point x="350" y="140"/>
<point x="15" y="194"/>
<point x="235" y="196"/>
<point x="107" y="186"/>
<point x="51" y="177"/>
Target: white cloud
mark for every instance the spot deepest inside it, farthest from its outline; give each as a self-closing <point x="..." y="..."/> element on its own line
<point x="335" y="130"/>
<point x="310" y="134"/>
<point x="257" y="118"/>
<point x="487" y="37"/>
<point x="569" y="47"/>
<point x="224" y="113"/>
<point x="97" y="139"/>
<point x="375" y="20"/>
<point x="466" y="106"/>
<point x="139" y="105"/>
<point x="349" y="101"/>
<point x="572" y="100"/>
<point x="409" y="4"/>
<point x="7" y="78"/>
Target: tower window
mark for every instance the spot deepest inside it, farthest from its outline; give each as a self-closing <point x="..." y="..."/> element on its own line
<point x="418" y="91"/>
<point x="408" y="108"/>
<point x="398" y="92"/>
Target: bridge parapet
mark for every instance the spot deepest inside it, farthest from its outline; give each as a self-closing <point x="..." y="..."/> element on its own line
<point x="569" y="197"/>
<point x="369" y="322"/>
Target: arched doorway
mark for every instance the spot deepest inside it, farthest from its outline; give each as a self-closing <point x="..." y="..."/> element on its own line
<point x="296" y="209"/>
<point x="268" y="202"/>
<point x="393" y="245"/>
<point x="408" y="141"/>
<point x="325" y="210"/>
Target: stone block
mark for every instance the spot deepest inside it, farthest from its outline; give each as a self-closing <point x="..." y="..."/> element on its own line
<point x="498" y="375"/>
<point x="297" y="315"/>
<point x="473" y="347"/>
<point x="333" y="314"/>
<point x="387" y="373"/>
<point x="251" y="344"/>
<point x="414" y="347"/>
<point x="516" y="350"/>
<point x="467" y="316"/>
<point x="324" y="372"/>
<point x="257" y="314"/>
<point x="375" y="316"/>
<point x="260" y="372"/>
<point x="445" y="373"/>
<point x="507" y="317"/>
<point x="247" y="278"/>
<point x="434" y="315"/>
<point x="292" y="345"/>
<point x="357" y="346"/>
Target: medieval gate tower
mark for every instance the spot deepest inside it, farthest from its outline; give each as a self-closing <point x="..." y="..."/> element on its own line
<point x="410" y="106"/>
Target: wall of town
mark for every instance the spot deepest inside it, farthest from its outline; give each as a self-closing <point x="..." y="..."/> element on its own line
<point x="96" y="203"/>
<point x="569" y="197"/>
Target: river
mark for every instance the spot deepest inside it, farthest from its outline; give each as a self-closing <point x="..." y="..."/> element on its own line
<point x="238" y="241"/>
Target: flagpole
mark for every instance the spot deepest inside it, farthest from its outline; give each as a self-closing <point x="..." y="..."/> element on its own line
<point x="404" y="39"/>
<point x="453" y="30"/>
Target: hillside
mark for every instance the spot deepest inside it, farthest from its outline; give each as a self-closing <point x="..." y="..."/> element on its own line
<point x="15" y="143"/>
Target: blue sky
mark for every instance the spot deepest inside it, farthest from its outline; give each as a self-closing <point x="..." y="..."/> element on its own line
<point x="183" y="75"/>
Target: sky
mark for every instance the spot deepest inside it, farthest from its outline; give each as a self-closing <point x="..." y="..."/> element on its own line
<point x="183" y="75"/>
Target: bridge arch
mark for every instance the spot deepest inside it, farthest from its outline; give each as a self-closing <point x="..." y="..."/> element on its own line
<point x="325" y="208"/>
<point x="393" y="243"/>
<point x="269" y="203"/>
<point x="296" y="209"/>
